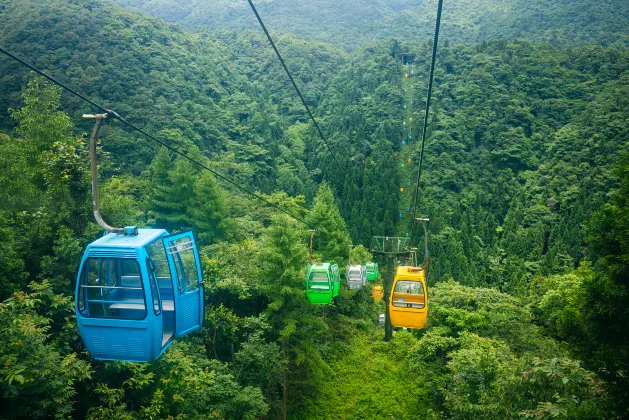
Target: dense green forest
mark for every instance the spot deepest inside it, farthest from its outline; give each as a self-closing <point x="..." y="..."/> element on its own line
<point x="526" y="182"/>
<point x="352" y="23"/>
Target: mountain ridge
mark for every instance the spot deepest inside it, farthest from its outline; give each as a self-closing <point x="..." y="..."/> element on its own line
<point x="352" y="23"/>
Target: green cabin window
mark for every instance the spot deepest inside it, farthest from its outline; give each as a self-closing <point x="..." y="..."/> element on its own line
<point x="319" y="281"/>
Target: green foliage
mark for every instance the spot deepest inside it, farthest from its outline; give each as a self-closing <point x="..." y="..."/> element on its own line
<point x="559" y="303"/>
<point x="47" y="200"/>
<point x="331" y="240"/>
<point x="209" y="210"/>
<point x="294" y="321"/>
<point x="259" y="363"/>
<point x="173" y="191"/>
<point x="477" y="373"/>
<point x="360" y="255"/>
<point x="486" y="312"/>
<point x="563" y="388"/>
<point x="522" y="141"/>
<point x="180" y="384"/>
<point x="19" y="191"/>
<point x="13" y="274"/>
<point x="283" y="258"/>
<point x="41" y="124"/>
<point x="121" y="200"/>
<point x="181" y="198"/>
<point x="607" y="290"/>
<point x="38" y="373"/>
<point x="352" y="23"/>
<point x="370" y="380"/>
<point x="233" y="269"/>
<point x="493" y="368"/>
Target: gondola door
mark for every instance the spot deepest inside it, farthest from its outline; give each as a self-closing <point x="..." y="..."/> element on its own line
<point x="185" y="267"/>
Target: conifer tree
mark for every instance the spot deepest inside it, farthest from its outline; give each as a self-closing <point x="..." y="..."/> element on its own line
<point x="331" y="240"/>
<point x="159" y="186"/>
<point x="607" y="304"/>
<point x="173" y="188"/>
<point x="41" y="123"/>
<point x="208" y="210"/>
<point x="283" y="259"/>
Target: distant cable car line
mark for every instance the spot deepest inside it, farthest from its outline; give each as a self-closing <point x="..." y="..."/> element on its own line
<point x="151" y="137"/>
<point x="428" y="96"/>
<point x="290" y="76"/>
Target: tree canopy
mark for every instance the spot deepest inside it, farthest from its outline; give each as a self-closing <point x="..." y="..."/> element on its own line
<point x="526" y="183"/>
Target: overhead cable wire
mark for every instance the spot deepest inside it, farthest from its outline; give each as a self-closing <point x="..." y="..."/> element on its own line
<point x="290" y="76"/>
<point x="428" y="97"/>
<point x="149" y="136"/>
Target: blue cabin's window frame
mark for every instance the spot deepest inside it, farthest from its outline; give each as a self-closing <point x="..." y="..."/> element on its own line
<point x="185" y="283"/>
<point x="84" y="280"/>
<point x="156" y="254"/>
<point x="157" y="308"/>
<point x="152" y="249"/>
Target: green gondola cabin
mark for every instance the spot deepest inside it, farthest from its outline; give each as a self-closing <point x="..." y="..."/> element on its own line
<point x="323" y="283"/>
<point x="372" y="271"/>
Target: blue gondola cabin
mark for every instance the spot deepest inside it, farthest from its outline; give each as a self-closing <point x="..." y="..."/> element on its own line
<point x="137" y="292"/>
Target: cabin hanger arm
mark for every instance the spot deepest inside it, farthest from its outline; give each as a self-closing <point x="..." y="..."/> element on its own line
<point x="94" y="167"/>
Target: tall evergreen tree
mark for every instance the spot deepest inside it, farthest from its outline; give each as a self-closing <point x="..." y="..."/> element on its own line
<point x="331" y="239"/>
<point x="294" y="320"/>
<point x="607" y="304"/>
<point x="173" y="192"/>
<point x="208" y="210"/>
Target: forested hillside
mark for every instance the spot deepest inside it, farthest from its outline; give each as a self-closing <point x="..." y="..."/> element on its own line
<point x="522" y="142"/>
<point x="351" y="23"/>
<point x="526" y="182"/>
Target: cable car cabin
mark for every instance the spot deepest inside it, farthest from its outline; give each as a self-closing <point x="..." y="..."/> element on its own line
<point x="372" y="271"/>
<point x="356" y="276"/>
<point x="323" y="282"/>
<point x="408" y="302"/>
<point x="377" y="293"/>
<point x="136" y="293"/>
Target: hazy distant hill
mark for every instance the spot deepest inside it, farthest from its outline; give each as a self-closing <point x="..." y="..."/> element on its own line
<point x="350" y="23"/>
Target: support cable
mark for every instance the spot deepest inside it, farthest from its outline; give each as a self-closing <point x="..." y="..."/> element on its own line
<point x="149" y="136"/>
<point x="290" y="76"/>
<point x="428" y="97"/>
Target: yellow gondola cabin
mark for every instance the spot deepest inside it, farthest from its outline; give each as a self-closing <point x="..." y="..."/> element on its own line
<point x="408" y="302"/>
<point x="377" y="292"/>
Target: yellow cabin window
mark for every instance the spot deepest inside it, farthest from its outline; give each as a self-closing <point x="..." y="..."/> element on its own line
<point x="408" y="294"/>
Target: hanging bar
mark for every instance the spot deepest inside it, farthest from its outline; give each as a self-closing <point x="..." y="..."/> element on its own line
<point x="94" y="166"/>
